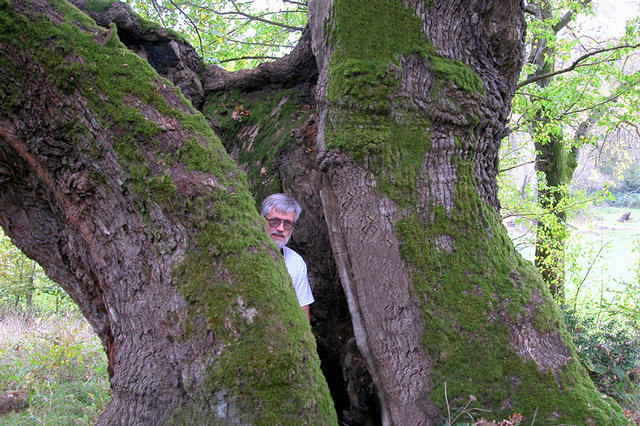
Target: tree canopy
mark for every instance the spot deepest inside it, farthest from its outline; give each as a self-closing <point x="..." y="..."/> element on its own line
<point x="230" y="33"/>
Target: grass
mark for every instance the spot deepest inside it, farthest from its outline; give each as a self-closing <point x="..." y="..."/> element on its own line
<point x="600" y="227"/>
<point x="600" y="257"/>
<point x="58" y="362"/>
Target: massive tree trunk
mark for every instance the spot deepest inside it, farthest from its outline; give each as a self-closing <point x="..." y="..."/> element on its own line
<point x="113" y="183"/>
<point x="118" y="187"/>
<point x="411" y="112"/>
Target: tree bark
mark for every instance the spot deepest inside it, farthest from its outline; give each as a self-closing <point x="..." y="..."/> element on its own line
<point x="118" y="187"/>
<point x="411" y="114"/>
<point x="152" y="231"/>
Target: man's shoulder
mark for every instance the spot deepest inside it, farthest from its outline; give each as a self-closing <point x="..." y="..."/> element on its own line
<point x="292" y="255"/>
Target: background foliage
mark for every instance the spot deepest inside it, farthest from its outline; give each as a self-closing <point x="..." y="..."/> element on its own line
<point x="233" y="34"/>
<point x="23" y="283"/>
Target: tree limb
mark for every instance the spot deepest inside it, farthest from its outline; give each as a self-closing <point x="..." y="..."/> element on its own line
<point x="158" y="10"/>
<point x="240" y="58"/>
<point x="196" y="5"/>
<point x="575" y="63"/>
<point x="536" y="56"/>
<point x="298" y="66"/>
<point x="255" y="43"/>
<point x="258" y="18"/>
<point x="567" y="17"/>
<point x="516" y="166"/>
<point x="611" y="98"/>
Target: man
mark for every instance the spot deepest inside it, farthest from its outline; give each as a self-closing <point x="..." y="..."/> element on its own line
<point x="281" y="213"/>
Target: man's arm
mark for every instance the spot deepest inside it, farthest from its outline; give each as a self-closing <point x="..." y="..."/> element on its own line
<point x="297" y="269"/>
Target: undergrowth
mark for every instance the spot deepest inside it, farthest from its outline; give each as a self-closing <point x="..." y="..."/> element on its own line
<point x="57" y="364"/>
<point x="610" y="350"/>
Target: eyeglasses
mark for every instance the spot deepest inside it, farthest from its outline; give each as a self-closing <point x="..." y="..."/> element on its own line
<point x="275" y="222"/>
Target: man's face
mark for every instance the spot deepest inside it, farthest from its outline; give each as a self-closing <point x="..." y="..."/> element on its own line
<point x="279" y="234"/>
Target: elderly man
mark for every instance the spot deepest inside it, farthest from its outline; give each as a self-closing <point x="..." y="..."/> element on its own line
<point x="281" y="213"/>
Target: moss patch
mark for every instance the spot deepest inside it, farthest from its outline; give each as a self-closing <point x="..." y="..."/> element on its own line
<point x="362" y="76"/>
<point x="368" y="119"/>
<point x="473" y="285"/>
<point x="99" y="5"/>
<point x="10" y="95"/>
<point x="259" y="128"/>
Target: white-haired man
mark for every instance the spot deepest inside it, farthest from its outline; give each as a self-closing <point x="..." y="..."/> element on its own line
<point x="281" y="213"/>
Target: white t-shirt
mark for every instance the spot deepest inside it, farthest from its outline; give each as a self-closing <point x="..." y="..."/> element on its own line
<point x="298" y="271"/>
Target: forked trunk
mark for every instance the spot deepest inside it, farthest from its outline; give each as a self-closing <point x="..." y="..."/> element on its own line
<point x="117" y="186"/>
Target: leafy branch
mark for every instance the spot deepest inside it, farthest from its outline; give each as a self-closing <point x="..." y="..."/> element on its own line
<point x="257" y="43"/>
<point x="191" y="23"/>
<point x="576" y="63"/>
<point x="239" y="12"/>
<point x="516" y="166"/>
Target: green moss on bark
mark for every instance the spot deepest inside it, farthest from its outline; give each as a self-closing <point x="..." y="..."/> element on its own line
<point x="369" y="120"/>
<point x="10" y="95"/>
<point x="267" y="367"/>
<point x="474" y="286"/>
<point x="99" y="5"/>
<point x="259" y="128"/>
